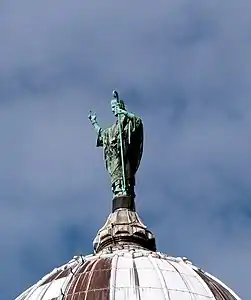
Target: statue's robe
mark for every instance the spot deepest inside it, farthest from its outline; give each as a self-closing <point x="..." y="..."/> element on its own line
<point x="132" y="136"/>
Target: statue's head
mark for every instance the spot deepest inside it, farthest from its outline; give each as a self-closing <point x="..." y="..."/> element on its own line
<point x="117" y="103"/>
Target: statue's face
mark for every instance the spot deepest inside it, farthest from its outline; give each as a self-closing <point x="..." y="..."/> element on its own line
<point x="114" y="104"/>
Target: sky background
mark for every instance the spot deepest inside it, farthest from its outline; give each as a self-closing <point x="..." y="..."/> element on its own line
<point x="183" y="66"/>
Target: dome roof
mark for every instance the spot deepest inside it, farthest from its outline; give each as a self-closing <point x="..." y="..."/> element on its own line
<point x="125" y="265"/>
<point x="128" y="272"/>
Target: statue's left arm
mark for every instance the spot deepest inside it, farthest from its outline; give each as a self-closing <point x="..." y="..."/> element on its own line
<point x="128" y="114"/>
<point x="135" y="140"/>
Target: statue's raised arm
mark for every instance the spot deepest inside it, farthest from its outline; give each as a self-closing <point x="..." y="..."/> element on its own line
<point x="93" y="118"/>
<point x="123" y="147"/>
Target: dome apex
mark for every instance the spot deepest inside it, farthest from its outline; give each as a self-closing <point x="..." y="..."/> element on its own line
<point x="124" y="227"/>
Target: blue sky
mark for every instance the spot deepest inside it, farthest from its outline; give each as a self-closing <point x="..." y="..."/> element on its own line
<point x="184" y="67"/>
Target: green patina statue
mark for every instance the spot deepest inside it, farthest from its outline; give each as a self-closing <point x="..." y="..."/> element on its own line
<point x="123" y="147"/>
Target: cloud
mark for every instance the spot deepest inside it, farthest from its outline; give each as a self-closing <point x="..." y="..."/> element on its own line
<point x="185" y="69"/>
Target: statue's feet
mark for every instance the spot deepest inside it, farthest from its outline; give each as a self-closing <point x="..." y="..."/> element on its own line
<point x="118" y="191"/>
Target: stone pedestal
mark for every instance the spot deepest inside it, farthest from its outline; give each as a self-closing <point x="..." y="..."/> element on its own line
<point x="123" y="202"/>
<point x="124" y="226"/>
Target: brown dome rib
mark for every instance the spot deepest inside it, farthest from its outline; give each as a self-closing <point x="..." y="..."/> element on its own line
<point x="219" y="292"/>
<point x="91" y="282"/>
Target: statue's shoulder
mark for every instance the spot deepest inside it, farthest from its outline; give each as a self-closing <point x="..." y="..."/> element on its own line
<point x="108" y="130"/>
<point x="138" y="120"/>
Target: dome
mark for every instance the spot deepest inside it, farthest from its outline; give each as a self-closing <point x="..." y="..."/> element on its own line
<point x="126" y="266"/>
<point x="128" y="272"/>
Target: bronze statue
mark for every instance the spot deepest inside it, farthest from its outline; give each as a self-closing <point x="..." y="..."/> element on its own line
<point x="123" y="147"/>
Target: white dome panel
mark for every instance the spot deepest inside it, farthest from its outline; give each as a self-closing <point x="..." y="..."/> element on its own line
<point x="128" y="274"/>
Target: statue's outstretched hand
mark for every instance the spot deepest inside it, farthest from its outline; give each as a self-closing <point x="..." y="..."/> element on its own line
<point x="92" y="117"/>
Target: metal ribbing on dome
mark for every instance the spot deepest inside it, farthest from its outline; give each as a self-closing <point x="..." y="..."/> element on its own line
<point x="220" y="292"/>
<point x="92" y="281"/>
<point x="128" y="274"/>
